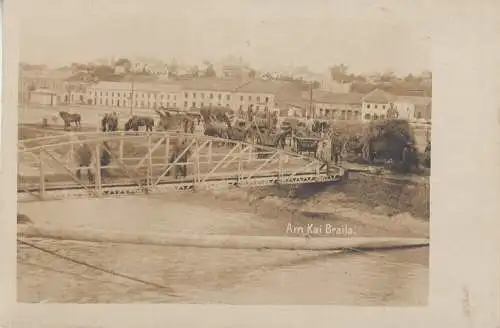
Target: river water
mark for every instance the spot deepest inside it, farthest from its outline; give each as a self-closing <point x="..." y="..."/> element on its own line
<point x="194" y="275"/>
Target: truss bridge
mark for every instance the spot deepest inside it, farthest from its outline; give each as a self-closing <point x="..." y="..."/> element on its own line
<point x="98" y="164"/>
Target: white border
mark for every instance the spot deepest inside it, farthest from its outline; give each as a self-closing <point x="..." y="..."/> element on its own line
<point x="465" y="270"/>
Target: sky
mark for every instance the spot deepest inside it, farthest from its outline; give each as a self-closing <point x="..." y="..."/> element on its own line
<point x="366" y="35"/>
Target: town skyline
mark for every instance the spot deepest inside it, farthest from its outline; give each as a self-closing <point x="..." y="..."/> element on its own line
<point x="367" y="38"/>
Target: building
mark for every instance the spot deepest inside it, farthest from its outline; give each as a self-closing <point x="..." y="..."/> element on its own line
<point x="31" y="80"/>
<point x="336" y="106"/>
<point x="329" y="84"/>
<point x="43" y="97"/>
<point x="134" y="95"/>
<point x="375" y="105"/>
<point x="235" y="94"/>
<point x="413" y="108"/>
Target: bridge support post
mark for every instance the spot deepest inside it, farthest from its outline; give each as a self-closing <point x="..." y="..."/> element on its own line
<point x="280" y="166"/>
<point x="71" y="151"/>
<point x="98" y="181"/>
<point x="167" y="147"/>
<point x="210" y="153"/>
<point x="122" y="141"/>
<point x="42" y="176"/>
<point x="196" y="161"/>
<point x="150" y="164"/>
<point x="240" y="167"/>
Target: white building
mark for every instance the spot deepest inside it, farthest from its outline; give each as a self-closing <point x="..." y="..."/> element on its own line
<point x="375" y="105"/>
<point x="412" y="108"/>
<point x="134" y="95"/>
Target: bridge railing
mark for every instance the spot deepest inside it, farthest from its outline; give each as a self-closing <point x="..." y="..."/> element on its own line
<point x="94" y="162"/>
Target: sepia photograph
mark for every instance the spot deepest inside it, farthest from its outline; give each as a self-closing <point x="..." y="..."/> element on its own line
<point x="224" y="152"/>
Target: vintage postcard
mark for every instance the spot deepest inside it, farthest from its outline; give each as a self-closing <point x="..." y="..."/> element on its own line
<point x="224" y="152"/>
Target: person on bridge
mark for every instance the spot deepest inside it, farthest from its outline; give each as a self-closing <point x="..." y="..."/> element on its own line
<point x="179" y="148"/>
<point x="105" y="159"/>
<point x="84" y="161"/>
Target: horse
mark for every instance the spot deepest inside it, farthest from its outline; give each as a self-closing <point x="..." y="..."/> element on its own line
<point x="137" y="121"/>
<point x="71" y="118"/>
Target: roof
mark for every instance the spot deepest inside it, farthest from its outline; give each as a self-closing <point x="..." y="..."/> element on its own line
<point x="127" y="86"/>
<point x="47" y="74"/>
<point x="260" y="86"/>
<point x="321" y="96"/>
<point x="379" y="97"/>
<point x="418" y="101"/>
<point x="45" y="92"/>
<point x="210" y="84"/>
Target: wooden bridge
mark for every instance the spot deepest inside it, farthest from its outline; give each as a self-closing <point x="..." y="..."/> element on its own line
<point x="144" y="162"/>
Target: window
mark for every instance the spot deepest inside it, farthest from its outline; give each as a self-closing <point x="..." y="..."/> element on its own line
<point x="101" y="93"/>
<point x="118" y="103"/>
<point x="202" y="105"/>
<point x="382" y="117"/>
<point x="376" y="106"/>
<point x="258" y="99"/>
<point x="112" y="94"/>
<point x="194" y="104"/>
<point x="375" y="117"/>
<point x="241" y="98"/>
<point x="185" y="94"/>
<point x="257" y="107"/>
<point x="106" y="93"/>
<point x="100" y="101"/>
<point x="368" y="116"/>
<point x="383" y="106"/>
<point x="249" y="98"/>
<point x="211" y="96"/>
<point x="368" y="106"/>
<point x="194" y="95"/>
<point x="168" y="105"/>
<point x="267" y="100"/>
<point x="185" y="104"/>
<point x="202" y="95"/>
<point x="220" y="96"/>
<point x="106" y="101"/>
<point x="124" y="103"/>
<point x="228" y="97"/>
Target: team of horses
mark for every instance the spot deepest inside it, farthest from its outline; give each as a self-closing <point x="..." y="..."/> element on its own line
<point x="314" y="137"/>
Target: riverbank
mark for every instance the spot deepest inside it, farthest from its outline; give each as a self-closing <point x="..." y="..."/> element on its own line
<point x="194" y="275"/>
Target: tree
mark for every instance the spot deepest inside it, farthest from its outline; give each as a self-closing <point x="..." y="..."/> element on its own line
<point x="387" y="76"/>
<point x="210" y="71"/>
<point x="125" y="62"/>
<point x="339" y="72"/>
